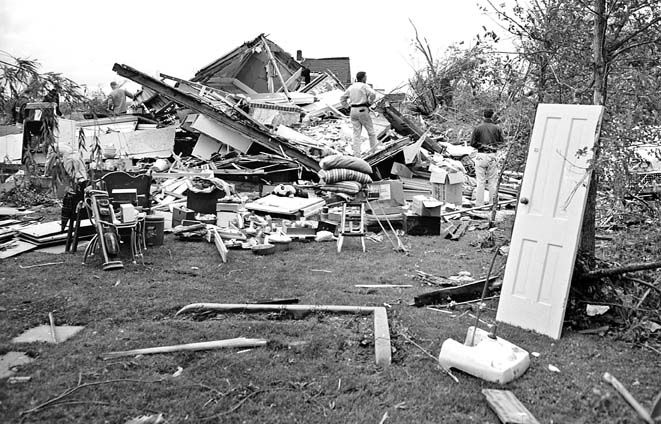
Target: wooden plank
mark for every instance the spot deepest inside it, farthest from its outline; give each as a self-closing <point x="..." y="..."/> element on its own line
<point x="275" y="66"/>
<point x="508" y="408"/>
<point x="271" y="142"/>
<point x="218" y="241"/>
<point x="459" y="293"/>
<point x="391" y="150"/>
<point x="292" y="79"/>
<point x="16" y="247"/>
<point x="382" y="349"/>
<point x="216" y="344"/>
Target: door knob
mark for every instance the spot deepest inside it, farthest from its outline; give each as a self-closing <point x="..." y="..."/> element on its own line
<point x="524" y="200"/>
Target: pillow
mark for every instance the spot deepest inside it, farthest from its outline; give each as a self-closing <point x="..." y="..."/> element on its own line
<point x="346" y="162"/>
<point x="347" y="187"/>
<point x="341" y="174"/>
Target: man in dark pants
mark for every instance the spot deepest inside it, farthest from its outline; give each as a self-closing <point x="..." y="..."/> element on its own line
<point x="360" y="96"/>
<point x="486" y="138"/>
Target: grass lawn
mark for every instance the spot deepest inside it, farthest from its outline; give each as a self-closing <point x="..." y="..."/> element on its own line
<point x="332" y="378"/>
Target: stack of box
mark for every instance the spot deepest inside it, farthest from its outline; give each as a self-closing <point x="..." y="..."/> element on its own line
<point x="447" y="186"/>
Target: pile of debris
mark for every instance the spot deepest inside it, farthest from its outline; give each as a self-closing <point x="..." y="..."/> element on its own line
<point x="257" y="120"/>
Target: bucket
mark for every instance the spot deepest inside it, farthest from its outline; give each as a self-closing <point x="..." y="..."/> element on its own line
<point x="154" y="226"/>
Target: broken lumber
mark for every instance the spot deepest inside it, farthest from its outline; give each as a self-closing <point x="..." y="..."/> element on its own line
<point x="508" y="408"/>
<point x="486" y="206"/>
<point x="382" y="349"/>
<point x="51" y="320"/>
<point x="466" y="292"/>
<point x="220" y="245"/>
<point x="216" y="344"/>
<point x="271" y="142"/>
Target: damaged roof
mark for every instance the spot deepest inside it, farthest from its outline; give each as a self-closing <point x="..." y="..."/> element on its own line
<point x="247" y="63"/>
<point x="339" y="66"/>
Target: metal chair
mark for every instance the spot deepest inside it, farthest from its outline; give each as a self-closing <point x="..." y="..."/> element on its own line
<point x="108" y="228"/>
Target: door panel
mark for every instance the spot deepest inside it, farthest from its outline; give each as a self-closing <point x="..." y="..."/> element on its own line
<point x="549" y="217"/>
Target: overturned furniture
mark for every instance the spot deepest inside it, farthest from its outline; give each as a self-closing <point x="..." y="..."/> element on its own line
<point x="382" y="350"/>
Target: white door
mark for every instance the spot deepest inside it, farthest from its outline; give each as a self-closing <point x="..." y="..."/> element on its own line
<point x="549" y="216"/>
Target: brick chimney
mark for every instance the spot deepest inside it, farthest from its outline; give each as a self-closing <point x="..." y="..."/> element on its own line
<point x="299" y="55"/>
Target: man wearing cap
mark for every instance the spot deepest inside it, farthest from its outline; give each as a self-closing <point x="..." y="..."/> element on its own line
<point x="359" y="97"/>
<point x="117" y="99"/>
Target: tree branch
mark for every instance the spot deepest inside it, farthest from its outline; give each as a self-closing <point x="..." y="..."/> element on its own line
<point x="609" y="272"/>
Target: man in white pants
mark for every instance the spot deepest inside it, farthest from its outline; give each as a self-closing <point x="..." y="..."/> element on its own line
<point x="486" y="138"/>
<point x="360" y="96"/>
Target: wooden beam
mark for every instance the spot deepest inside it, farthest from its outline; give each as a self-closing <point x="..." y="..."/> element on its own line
<point x="508" y="408"/>
<point x="275" y="65"/>
<point x="292" y="78"/>
<point x="456" y="293"/>
<point x="382" y="349"/>
<point x="271" y="142"/>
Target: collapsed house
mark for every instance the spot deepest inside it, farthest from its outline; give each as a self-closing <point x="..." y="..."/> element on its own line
<point x="245" y="139"/>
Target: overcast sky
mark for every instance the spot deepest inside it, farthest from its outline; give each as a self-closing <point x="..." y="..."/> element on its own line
<point x="83" y="39"/>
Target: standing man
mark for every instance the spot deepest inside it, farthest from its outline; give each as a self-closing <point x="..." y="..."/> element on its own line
<point x="359" y="97"/>
<point x="486" y="138"/>
<point x="117" y="99"/>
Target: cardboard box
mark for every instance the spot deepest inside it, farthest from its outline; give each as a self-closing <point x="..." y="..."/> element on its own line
<point x="129" y="214"/>
<point x="180" y="213"/>
<point x="447" y="186"/>
<point x="426" y="206"/>
<point x="387" y="191"/>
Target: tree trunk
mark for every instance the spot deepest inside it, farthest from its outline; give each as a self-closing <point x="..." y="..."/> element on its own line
<point x="587" y="247"/>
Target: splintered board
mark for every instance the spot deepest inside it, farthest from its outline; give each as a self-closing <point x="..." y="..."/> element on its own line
<point x="508" y="408"/>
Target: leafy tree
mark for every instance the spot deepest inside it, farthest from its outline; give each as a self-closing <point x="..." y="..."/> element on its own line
<point x="21" y="82"/>
<point x="593" y="52"/>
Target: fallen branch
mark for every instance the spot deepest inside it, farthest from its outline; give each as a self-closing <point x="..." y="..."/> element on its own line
<point x="644" y="283"/>
<point x="609" y="272"/>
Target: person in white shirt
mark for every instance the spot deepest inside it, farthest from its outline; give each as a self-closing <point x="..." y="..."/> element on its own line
<point x="359" y="97"/>
<point x="117" y="99"/>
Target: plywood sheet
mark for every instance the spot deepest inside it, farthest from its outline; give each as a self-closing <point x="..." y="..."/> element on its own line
<point x="206" y="147"/>
<point x="16" y="248"/>
<point x="221" y="133"/>
<point x="150" y="143"/>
